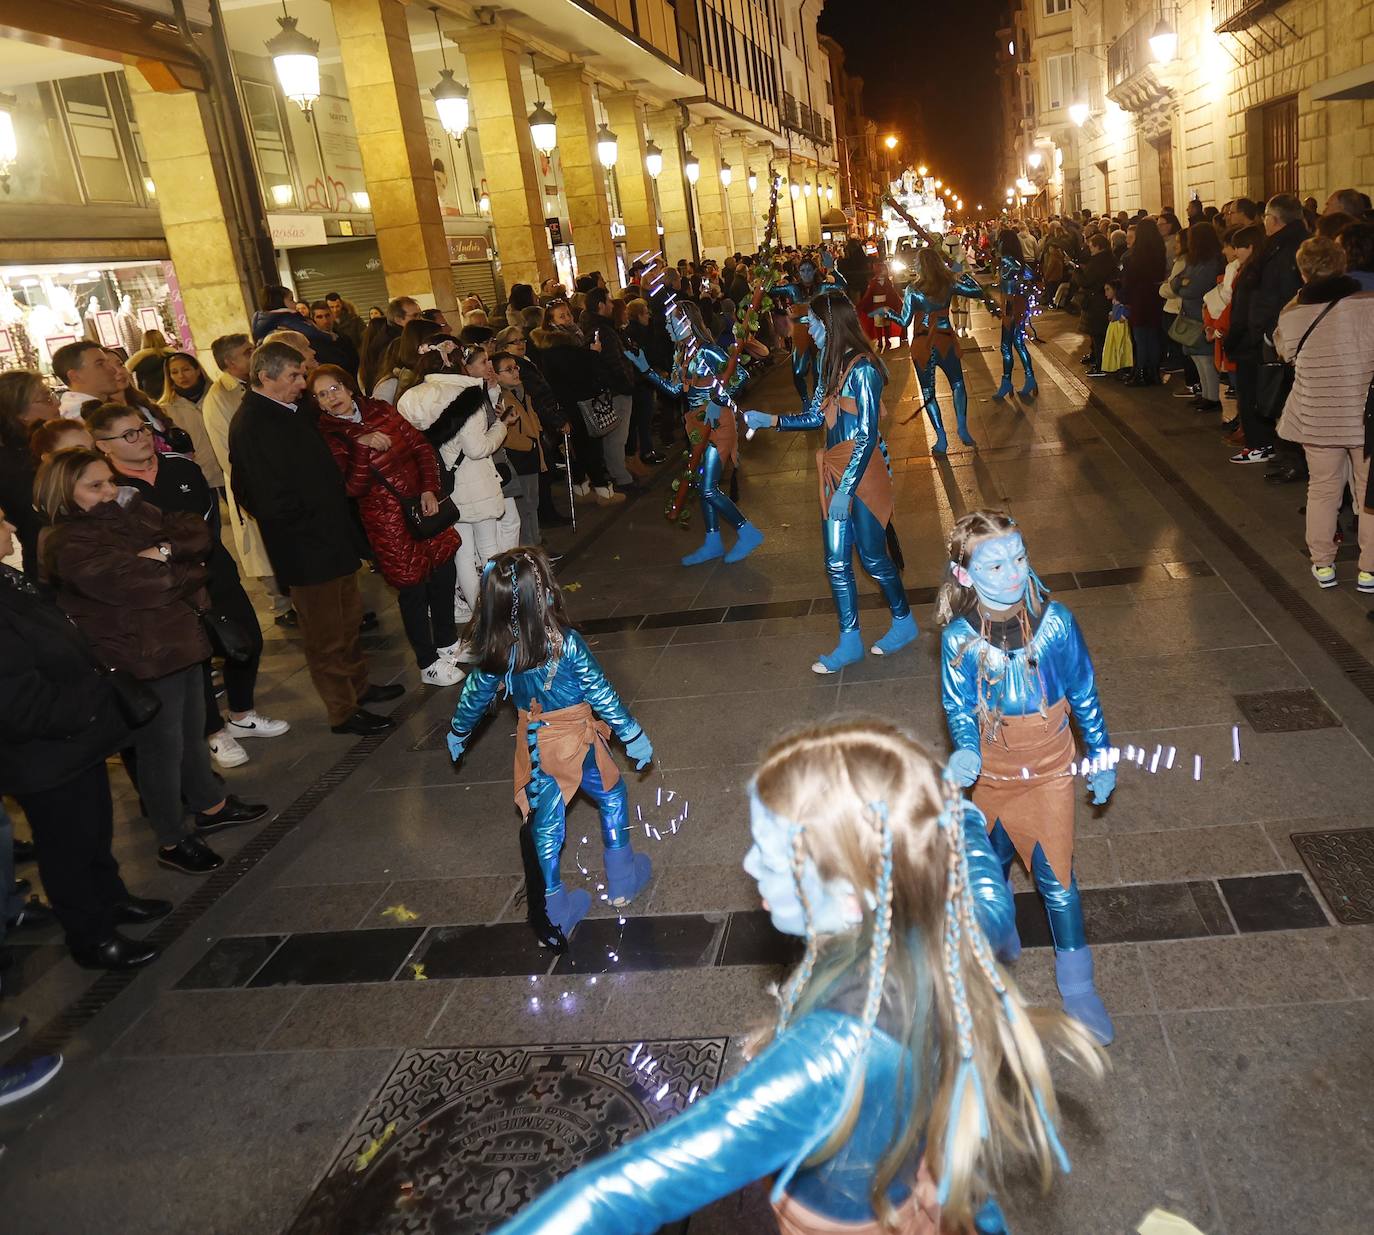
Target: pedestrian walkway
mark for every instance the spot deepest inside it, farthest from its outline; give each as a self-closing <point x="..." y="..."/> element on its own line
<point x="353" y="1030"/>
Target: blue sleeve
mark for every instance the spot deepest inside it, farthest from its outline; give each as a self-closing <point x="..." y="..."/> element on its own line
<point x="992" y="898"/>
<point x="597" y="689"/>
<point x="967" y="285"/>
<point x="672" y="387"/>
<point x="792" y="291"/>
<point x="839" y="281"/>
<point x="913" y="302"/>
<point x="958" y="690"/>
<point x="812" y="417"/>
<point x="865" y="386"/>
<point x="1080" y="682"/>
<point x="478" y="691"/>
<point x="749" y="1128"/>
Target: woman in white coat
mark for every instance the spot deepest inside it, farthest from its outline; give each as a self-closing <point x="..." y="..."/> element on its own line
<point x="450" y="409"/>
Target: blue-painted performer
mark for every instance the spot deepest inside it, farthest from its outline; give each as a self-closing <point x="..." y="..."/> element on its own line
<point x="810" y="282"/>
<point x="712" y="435"/>
<point x="935" y="343"/>
<point x="904" y="1070"/>
<point x="855" y="477"/>
<point x="1014" y="280"/>
<point x="522" y="640"/>
<point x="1015" y="668"/>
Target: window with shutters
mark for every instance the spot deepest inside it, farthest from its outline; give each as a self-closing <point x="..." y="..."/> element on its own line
<point x="1279" y="129"/>
<point x="1059" y="83"/>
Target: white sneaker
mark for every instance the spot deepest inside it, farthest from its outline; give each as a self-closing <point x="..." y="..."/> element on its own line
<point x="256" y="725"/>
<point x="459" y="653"/>
<point x="226" y="752"/>
<point x="606" y="496"/>
<point x="583" y="489"/>
<point x="442" y="672"/>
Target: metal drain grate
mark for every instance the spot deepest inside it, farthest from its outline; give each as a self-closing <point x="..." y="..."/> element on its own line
<point x="1342" y="866"/>
<point x="1286" y="711"/>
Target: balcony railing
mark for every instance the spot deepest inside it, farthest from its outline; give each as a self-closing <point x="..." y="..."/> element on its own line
<point x="790" y="117"/>
<point x="1232" y="15"/>
<point x="1131" y="54"/>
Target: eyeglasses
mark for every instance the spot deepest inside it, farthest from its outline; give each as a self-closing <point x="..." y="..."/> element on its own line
<point x="129" y="435"/>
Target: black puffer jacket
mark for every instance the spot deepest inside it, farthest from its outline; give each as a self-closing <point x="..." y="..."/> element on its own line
<point x="58" y="714"/>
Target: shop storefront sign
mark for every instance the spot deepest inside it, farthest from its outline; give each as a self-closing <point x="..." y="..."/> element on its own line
<point x="468" y="249"/>
<point x="555" y="227"/>
<point x="291" y="231"/>
<point x="106" y="328"/>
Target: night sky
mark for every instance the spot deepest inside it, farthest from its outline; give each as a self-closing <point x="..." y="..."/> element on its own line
<point x="940" y="55"/>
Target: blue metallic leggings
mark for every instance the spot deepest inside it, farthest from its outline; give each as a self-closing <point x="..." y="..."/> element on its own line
<point x="862" y="531"/>
<point x="954" y="372"/>
<point x="1062" y="905"/>
<point x="803" y="371"/>
<point x="1014" y="339"/>
<point x="715" y="504"/>
<point x="546" y="812"/>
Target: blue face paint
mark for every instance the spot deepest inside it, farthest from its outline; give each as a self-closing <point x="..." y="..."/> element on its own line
<point x="817" y="329"/>
<point x="807" y="272"/>
<point x="769" y="863"/>
<point x="1000" y="570"/>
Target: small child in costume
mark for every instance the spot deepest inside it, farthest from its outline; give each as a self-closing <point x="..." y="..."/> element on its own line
<point x="904" y="1069"/>
<point x="1118" y="352"/>
<point x="522" y="640"/>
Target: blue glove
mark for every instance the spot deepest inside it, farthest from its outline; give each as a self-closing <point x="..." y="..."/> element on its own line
<point x="878" y="314"/>
<point x="455" y="745"/>
<point x="641" y="750"/>
<point x="637" y="359"/>
<point x="827" y="259"/>
<point x="964" y="767"/>
<point x="760" y="420"/>
<point x="712" y="414"/>
<point x="840" y="504"/>
<point x="1102" y="783"/>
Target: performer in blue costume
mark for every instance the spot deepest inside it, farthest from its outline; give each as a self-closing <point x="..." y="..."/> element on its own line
<point x="1014" y="669"/>
<point x="698" y="364"/>
<point x="903" y="1068"/>
<point x="810" y="283"/>
<point x="1014" y="280"/>
<point x="935" y="343"/>
<point x="855" y="480"/>
<point x="567" y="710"/>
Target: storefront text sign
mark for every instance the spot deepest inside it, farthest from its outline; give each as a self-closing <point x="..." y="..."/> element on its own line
<point x="468" y="249"/>
<point x="291" y="231"/>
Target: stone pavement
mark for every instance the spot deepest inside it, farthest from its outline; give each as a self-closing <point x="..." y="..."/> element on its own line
<point x="351" y="1030"/>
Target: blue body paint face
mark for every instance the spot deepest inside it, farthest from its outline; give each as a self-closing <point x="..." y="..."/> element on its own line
<point x="769" y="863"/>
<point x="817" y="329"/>
<point x="679" y="327"/>
<point x="807" y="272"/>
<point x="1000" y="570"/>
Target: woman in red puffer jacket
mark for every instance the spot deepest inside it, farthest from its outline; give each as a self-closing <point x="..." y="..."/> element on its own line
<point x="376" y="447"/>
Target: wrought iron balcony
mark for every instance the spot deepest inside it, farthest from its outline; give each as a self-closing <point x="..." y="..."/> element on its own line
<point x="1229" y="16"/>
<point x="1134" y="81"/>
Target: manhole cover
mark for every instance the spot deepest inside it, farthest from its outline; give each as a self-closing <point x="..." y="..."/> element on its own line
<point x="1286" y="711"/>
<point x="1342" y="865"/>
<point x="460" y="1139"/>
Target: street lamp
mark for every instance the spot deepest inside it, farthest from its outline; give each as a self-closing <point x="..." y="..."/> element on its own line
<point x="806" y="188"/>
<point x="830" y="192"/>
<point x="890" y="141"/>
<point x="653" y="160"/>
<point x="296" y="58"/>
<point x="752" y="180"/>
<point x="923" y="171"/>
<point x="1034" y="159"/>
<point x="692" y="167"/>
<point x="795" y="189"/>
<point x="1079" y="113"/>
<point x="607" y="146"/>
<point x="450" y="96"/>
<point x="1164" y="42"/>
<point x="726" y="173"/>
<point x="938" y="183"/>
<point x="543" y="123"/>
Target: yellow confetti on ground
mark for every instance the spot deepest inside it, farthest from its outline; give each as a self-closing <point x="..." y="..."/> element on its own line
<point x="1162" y="1222"/>
<point x="572" y="587"/>
<point x="365" y="1158"/>
<point x="419" y="972"/>
<point x="399" y="913"/>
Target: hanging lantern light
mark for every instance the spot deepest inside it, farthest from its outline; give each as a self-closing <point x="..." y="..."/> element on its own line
<point x="752" y="180"/>
<point x="806" y="188"/>
<point x="543" y="123"/>
<point x="1164" y="42"/>
<point x="653" y="159"/>
<point x="484" y="199"/>
<point x="692" y="167"/>
<point x="296" y="57"/>
<point x="607" y="147"/>
<point x="727" y="173"/>
<point x="450" y="96"/>
<point x="1079" y="113"/>
<point x="795" y="190"/>
<point x="830" y="192"/>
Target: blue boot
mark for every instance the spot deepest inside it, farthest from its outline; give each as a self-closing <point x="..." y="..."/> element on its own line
<point x="941" y="444"/>
<point x="750" y="538"/>
<point x="1073" y="973"/>
<point x="1030" y="389"/>
<point x="1005" y="388"/>
<point x="566" y="909"/>
<point x="849" y="651"/>
<point x="1010" y="950"/>
<point x="626" y="874"/>
<point x="904" y="630"/>
<point x="712" y="547"/>
<point x="964" y="435"/>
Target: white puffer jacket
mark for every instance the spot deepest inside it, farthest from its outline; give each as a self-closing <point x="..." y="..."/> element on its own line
<point x="476" y="483"/>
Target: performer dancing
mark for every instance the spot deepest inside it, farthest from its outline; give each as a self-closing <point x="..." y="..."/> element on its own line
<point x="1014" y="280"/>
<point x="855" y="479"/>
<point x="904" y="1069"/>
<point x="935" y="342"/>
<point x="567" y="710"/>
<point x="697" y="366"/>
<point x="810" y="283"/>
<point x="1013" y="669"/>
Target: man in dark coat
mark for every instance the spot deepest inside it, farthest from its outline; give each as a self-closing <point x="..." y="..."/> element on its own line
<point x="284" y="476"/>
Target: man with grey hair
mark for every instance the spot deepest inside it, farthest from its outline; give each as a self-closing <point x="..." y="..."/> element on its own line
<point x="286" y="478"/>
<point x="1348" y="201"/>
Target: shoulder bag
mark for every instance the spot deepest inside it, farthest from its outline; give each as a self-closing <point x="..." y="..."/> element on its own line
<point x="420" y="525"/>
<point x="1275" y="378"/>
<point x="599" y="413"/>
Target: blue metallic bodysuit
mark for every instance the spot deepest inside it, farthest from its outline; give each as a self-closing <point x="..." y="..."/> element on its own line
<point x="981" y="682"/>
<point x="773" y="1115"/>
<point x="944" y="352"/>
<point x="572" y="678"/>
<point x="1014" y="281"/>
<point x="805" y="358"/>
<point x="864" y="387"/>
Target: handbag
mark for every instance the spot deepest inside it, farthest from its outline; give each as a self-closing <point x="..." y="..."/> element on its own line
<point x="1274" y="380"/>
<point x="137" y="702"/>
<point x="599" y="413"/>
<point x="227" y="635"/>
<point x="420" y="525"/>
<point x="1187" y="331"/>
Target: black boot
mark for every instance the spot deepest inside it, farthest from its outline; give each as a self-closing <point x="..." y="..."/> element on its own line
<point x="536" y="913"/>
